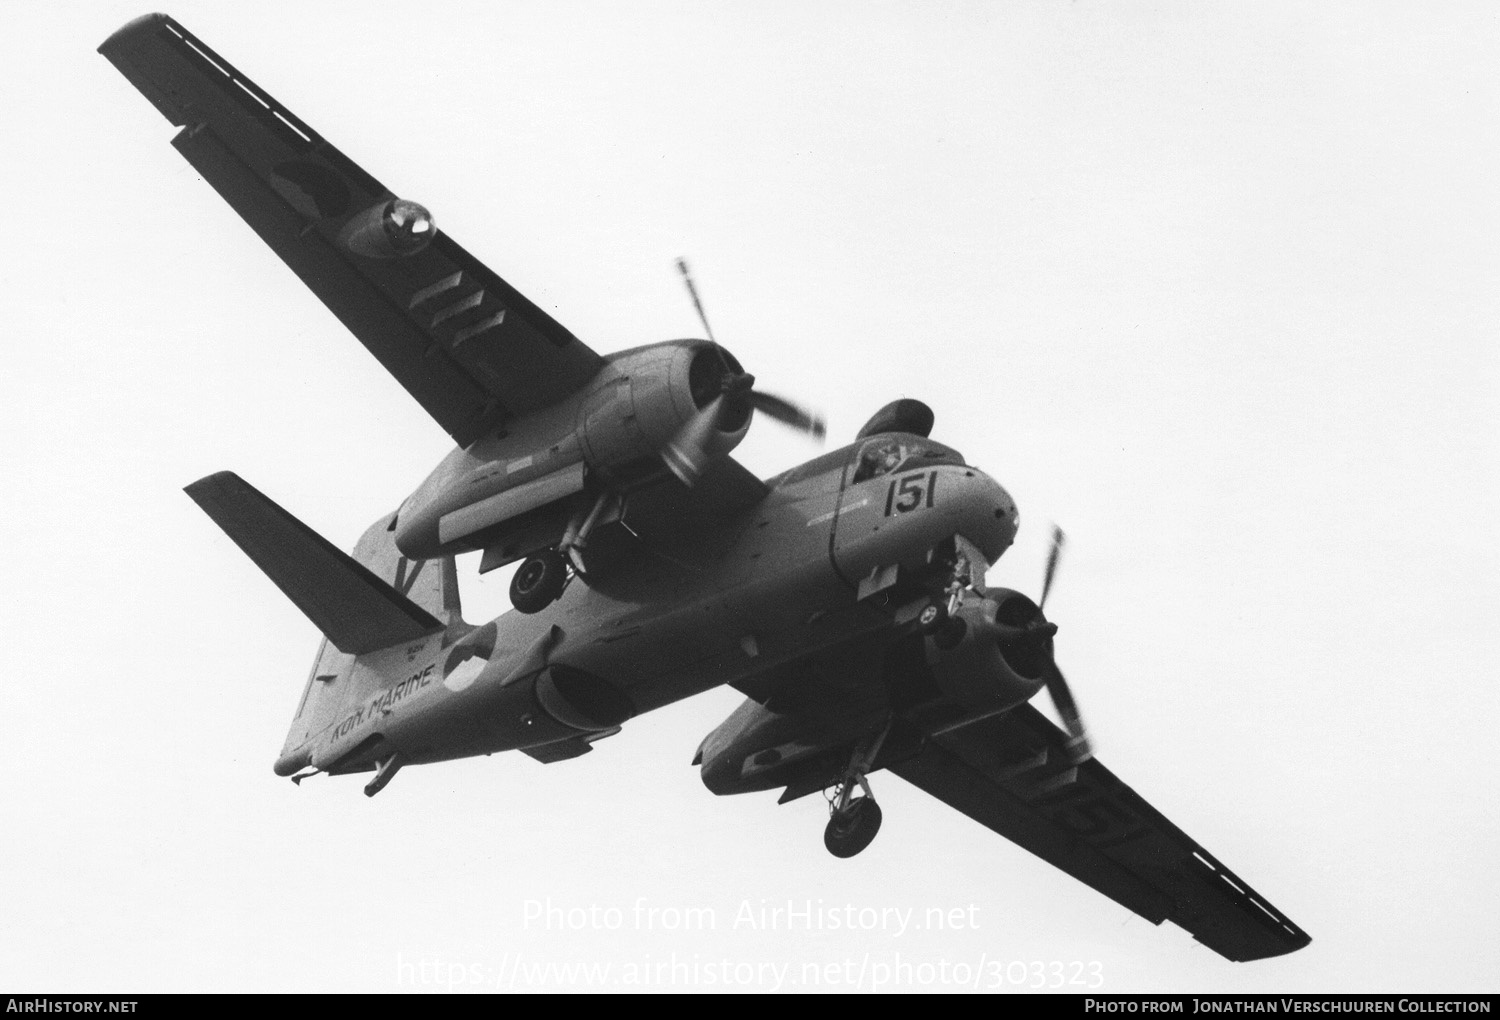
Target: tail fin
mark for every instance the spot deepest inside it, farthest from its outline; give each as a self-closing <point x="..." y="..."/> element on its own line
<point x="357" y="611"/>
<point x="363" y="603"/>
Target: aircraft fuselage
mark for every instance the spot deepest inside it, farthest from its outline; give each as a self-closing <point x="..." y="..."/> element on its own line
<point x="779" y="581"/>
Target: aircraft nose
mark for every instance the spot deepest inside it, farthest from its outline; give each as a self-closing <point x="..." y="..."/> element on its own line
<point x="990" y="515"/>
<point x="916" y="511"/>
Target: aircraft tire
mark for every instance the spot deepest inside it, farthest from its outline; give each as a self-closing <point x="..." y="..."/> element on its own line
<point x="538" y="582"/>
<point x="849" y="833"/>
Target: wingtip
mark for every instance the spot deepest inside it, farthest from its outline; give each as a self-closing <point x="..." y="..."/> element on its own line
<point x="196" y="490"/>
<point x="1285" y="948"/>
<point x="217" y="476"/>
<point x="132" y="29"/>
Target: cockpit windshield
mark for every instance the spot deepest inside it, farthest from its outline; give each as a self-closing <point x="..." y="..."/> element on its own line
<point x="885" y="454"/>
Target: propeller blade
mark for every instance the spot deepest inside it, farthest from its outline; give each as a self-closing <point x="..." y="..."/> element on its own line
<point x="1067" y="708"/>
<point x="686" y="456"/>
<point x="1052" y="558"/>
<point x="687" y="278"/>
<point x="802" y="419"/>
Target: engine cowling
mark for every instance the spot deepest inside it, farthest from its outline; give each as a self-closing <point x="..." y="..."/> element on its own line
<point x="986" y="659"/>
<point x="652" y="395"/>
<point x="612" y="435"/>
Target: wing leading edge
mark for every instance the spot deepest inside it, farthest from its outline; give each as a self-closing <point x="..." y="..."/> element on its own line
<point x="469" y="347"/>
<point x="1011" y="774"/>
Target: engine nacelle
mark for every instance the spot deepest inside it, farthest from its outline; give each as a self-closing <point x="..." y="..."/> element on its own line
<point x="757" y="748"/>
<point x="985" y="661"/>
<point x="649" y="397"/>
<point x="389" y="230"/>
<point x="581" y="700"/>
<point x="611" y="436"/>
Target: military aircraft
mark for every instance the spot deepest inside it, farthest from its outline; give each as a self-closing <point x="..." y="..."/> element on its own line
<point x="845" y="597"/>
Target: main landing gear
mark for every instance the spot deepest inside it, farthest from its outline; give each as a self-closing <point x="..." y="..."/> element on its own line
<point x="854" y="821"/>
<point x="853" y="827"/>
<point x="540" y="580"/>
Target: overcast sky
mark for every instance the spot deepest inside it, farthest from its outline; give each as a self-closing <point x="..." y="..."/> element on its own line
<point x="1212" y="286"/>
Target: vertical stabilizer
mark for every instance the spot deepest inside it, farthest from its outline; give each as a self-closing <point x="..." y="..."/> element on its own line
<point x="352" y="600"/>
<point x="430" y="584"/>
<point x="363" y="604"/>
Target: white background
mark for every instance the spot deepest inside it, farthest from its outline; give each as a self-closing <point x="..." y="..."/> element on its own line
<point x="1213" y="286"/>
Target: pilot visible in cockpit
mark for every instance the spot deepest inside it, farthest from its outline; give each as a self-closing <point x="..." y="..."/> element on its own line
<point x="879" y="458"/>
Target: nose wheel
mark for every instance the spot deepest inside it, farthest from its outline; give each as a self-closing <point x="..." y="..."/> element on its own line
<point x="963" y="571"/>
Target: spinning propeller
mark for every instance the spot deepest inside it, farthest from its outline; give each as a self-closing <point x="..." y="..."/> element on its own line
<point x="691" y="450"/>
<point x="1057" y="684"/>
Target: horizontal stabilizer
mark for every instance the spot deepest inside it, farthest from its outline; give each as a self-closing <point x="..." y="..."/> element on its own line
<point x="356" y="610"/>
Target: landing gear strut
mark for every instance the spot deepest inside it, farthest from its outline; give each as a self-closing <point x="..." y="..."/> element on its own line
<point x="854" y="821"/>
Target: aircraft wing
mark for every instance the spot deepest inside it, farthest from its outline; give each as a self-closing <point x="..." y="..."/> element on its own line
<point x="469" y="347"/>
<point x="1011" y="774"/>
<point x="661" y="513"/>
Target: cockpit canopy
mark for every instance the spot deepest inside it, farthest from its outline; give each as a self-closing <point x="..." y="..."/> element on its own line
<point x="904" y="415"/>
<point x="899" y="451"/>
